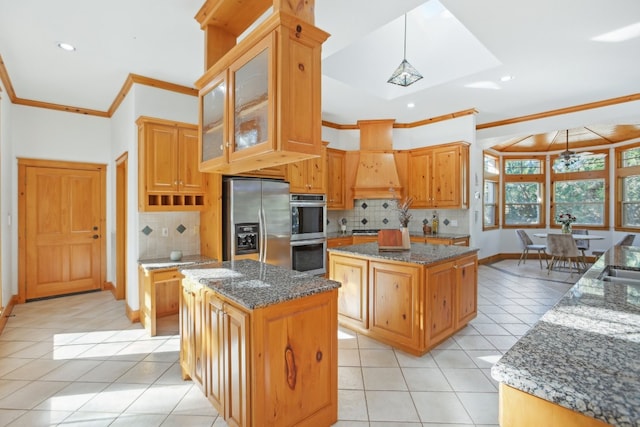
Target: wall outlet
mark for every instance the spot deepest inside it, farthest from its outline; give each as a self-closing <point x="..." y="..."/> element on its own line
<point x="165" y="232"/>
<point x="454" y="222"/>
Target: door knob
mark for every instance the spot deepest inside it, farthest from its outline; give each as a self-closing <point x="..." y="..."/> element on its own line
<point x="95" y="236"/>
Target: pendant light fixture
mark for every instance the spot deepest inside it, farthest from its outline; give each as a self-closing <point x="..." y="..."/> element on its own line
<point x="568" y="159"/>
<point x="405" y="74"/>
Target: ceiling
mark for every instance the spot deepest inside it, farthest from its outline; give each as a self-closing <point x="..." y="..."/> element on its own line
<point x="560" y="53"/>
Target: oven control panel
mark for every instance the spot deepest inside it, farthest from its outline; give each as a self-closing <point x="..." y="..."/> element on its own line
<point x="247" y="238"/>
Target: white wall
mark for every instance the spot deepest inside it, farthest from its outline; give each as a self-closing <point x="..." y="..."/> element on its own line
<point x="8" y="286"/>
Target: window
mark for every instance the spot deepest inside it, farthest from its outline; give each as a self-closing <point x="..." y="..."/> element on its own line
<point x="491" y="178"/>
<point x="628" y="188"/>
<point x="581" y="189"/>
<point x="524" y="192"/>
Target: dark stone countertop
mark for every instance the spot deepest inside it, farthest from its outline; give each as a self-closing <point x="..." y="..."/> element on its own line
<point x="420" y="253"/>
<point x="584" y="353"/>
<point x="253" y="284"/>
<point x="166" y="263"/>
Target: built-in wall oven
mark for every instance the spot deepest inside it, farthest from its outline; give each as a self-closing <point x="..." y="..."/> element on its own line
<point x="308" y="233"/>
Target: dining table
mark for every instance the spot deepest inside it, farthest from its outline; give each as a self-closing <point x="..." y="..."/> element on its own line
<point x="575" y="236"/>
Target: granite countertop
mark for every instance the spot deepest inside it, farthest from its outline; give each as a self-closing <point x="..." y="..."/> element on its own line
<point x="420" y="253"/>
<point x="166" y="263"/>
<point x="584" y="353"/>
<point x="350" y="233"/>
<point x="253" y="284"/>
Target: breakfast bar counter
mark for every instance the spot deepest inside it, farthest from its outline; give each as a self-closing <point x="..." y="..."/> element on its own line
<point x="580" y="364"/>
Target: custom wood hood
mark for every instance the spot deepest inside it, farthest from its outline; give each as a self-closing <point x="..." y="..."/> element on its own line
<point x="377" y="172"/>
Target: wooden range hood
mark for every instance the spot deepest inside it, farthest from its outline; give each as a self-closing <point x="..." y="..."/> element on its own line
<point x="377" y="174"/>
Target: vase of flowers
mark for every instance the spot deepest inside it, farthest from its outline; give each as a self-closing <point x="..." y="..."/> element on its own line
<point x="566" y="219"/>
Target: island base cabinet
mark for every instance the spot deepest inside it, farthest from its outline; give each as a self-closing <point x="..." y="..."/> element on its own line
<point x="395" y="304"/>
<point x="271" y="366"/>
<point x="295" y="381"/>
<point x="441" y="288"/>
<point x="520" y="409"/>
<point x="466" y="290"/>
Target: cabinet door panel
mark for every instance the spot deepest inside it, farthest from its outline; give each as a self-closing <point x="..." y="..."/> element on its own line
<point x="420" y="179"/>
<point x="162" y="151"/>
<point x="467" y="291"/>
<point x="190" y="177"/>
<point x="299" y="343"/>
<point x="236" y="339"/>
<point x="213" y="117"/>
<point x="335" y="180"/>
<point x="214" y="352"/>
<point x="446" y="176"/>
<point x="395" y="302"/>
<point x="187" y="327"/>
<point x="352" y="296"/>
<point x="441" y="282"/>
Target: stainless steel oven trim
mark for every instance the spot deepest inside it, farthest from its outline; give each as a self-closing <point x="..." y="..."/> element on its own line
<point x="298" y="200"/>
<point x="319" y="271"/>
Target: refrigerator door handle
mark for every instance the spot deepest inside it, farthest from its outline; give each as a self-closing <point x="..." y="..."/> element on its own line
<point x="263" y="236"/>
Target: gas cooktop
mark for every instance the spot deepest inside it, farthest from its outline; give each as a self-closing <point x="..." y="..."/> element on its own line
<point x="367" y="231"/>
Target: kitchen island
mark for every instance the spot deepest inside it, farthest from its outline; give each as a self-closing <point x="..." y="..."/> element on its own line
<point x="412" y="299"/>
<point x="580" y="364"/>
<point x="261" y="342"/>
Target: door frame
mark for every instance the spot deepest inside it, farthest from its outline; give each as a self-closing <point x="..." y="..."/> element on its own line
<point x="122" y="191"/>
<point x="23" y="164"/>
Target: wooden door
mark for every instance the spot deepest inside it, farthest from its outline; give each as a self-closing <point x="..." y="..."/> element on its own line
<point x="63" y="235"/>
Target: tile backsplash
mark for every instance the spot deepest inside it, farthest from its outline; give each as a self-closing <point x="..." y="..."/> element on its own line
<point x="162" y="232"/>
<point x="383" y="214"/>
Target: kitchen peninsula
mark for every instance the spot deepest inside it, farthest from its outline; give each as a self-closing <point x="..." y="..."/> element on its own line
<point x="261" y="342"/>
<point x="412" y="299"/>
<point x="579" y="366"/>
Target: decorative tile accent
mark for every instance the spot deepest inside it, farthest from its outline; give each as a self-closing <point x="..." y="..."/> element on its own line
<point x="385" y="221"/>
<point x="385" y="205"/>
<point x="445" y="222"/>
<point x="364" y="221"/>
<point x="147" y="230"/>
<point x="181" y="228"/>
<point x="364" y="206"/>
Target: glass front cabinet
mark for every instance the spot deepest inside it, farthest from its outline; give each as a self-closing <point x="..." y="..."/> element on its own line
<point x="260" y="103"/>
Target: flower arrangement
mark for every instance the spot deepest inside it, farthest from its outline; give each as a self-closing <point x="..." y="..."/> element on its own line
<point x="403" y="210"/>
<point x="565" y="218"/>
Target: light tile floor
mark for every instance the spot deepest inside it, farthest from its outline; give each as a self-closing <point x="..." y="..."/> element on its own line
<point x="78" y="361"/>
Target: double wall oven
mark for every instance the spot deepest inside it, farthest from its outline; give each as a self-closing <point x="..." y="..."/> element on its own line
<point x="308" y="233"/>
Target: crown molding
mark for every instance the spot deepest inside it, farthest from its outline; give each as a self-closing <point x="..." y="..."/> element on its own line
<point x="407" y="125"/>
<point x="126" y="87"/>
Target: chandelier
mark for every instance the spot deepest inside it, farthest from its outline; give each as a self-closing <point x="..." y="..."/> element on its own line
<point x="567" y="160"/>
<point x="405" y="74"/>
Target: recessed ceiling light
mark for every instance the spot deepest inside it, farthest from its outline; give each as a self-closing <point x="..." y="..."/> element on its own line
<point x="411" y="105"/>
<point x="66" y="46"/>
<point x="483" y="85"/>
<point x="506" y="78"/>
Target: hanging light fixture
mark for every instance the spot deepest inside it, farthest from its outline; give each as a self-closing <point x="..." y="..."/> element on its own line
<point x="405" y="74"/>
<point x="568" y="159"/>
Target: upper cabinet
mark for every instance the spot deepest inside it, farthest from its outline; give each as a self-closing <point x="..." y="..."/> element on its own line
<point x="260" y="102"/>
<point x="308" y="176"/>
<point x="168" y="175"/>
<point x="336" y="198"/>
<point x="439" y="175"/>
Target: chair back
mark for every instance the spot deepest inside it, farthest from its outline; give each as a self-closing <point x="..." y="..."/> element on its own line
<point x="562" y="245"/>
<point x="627" y="240"/>
<point x="582" y="244"/>
<point x="524" y="238"/>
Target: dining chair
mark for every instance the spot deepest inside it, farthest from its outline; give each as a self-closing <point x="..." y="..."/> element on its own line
<point x="582" y="244"/>
<point x="563" y="247"/>
<point x="625" y="241"/>
<point x="527" y="245"/>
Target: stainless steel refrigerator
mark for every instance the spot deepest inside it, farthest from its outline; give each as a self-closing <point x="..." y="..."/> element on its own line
<point x="256" y="220"/>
